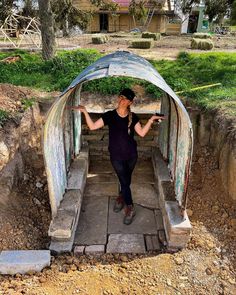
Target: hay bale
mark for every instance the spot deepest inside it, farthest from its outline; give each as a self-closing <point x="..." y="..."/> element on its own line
<point x="149" y="35"/>
<point x="142" y="44"/>
<point x="202" y="36"/>
<point x="202" y="44"/>
<point x="100" y="39"/>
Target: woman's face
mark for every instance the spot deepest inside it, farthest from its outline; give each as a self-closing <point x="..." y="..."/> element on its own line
<point x="123" y="101"/>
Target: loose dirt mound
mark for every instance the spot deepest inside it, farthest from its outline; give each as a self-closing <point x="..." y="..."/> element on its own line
<point x="11" y="97"/>
<point x="25" y="220"/>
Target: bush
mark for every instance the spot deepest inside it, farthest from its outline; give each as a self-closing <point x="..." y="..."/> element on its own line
<point x="202" y="36"/>
<point x="155" y="36"/>
<point x="100" y="39"/>
<point x="142" y="44"/>
<point x="202" y="44"/>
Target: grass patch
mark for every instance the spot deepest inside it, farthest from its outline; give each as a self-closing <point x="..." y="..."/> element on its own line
<point x="183" y="74"/>
<point x="55" y="74"/>
<point x="4" y="116"/>
<point x="192" y="70"/>
<point x="27" y="103"/>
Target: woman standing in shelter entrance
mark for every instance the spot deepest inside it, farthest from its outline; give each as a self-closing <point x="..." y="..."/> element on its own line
<point x="122" y="146"/>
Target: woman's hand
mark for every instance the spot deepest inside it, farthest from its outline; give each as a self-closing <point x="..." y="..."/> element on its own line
<point x="154" y="118"/>
<point x="80" y="108"/>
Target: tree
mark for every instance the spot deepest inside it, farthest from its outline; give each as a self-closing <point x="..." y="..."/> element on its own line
<point x="138" y="10"/>
<point x="233" y="14"/>
<point x="105" y="5"/>
<point x="47" y="29"/>
<point x="30" y="8"/>
<point x="6" y="9"/>
<point x="67" y="15"/>
<point x="213" y="8"/>
<point x="216" y="9"/>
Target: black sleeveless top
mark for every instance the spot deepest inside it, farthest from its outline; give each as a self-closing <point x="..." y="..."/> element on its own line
<point x="122" y="145"/>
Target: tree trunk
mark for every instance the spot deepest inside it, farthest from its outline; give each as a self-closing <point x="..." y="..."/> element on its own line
<point x="65" y="26"/>
<point x="47" y="29"/>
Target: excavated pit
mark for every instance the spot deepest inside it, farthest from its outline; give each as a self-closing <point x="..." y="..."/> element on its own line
<point x="28" y="228"/>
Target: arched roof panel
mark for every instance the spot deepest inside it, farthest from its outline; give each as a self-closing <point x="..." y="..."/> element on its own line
<point x="121" y="63"/>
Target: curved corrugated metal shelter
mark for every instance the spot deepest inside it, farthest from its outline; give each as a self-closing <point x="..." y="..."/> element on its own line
<point x="62" y="131"/>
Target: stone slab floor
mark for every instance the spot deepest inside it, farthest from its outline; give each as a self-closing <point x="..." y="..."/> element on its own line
<point x="102" y="230"/>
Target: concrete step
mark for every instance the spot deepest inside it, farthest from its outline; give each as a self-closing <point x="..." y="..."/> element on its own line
<point x="126" y="243"/>
<point x="92" y="225"/>
<point x="23" y="261"/>
<point x="63" y="226"/>
<point x="157" y="223"/>
<point x="99" y="228"/>
<point x="176" y="223"/>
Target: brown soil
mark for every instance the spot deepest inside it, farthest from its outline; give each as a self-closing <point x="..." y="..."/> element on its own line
<point x="11" y="97"/>
<point x="25" y="218"/>
<point x="206" y="266"/>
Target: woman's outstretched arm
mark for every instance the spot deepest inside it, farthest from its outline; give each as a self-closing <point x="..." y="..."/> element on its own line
<point x="91" y="125"/>
<point x="142" y="131"/>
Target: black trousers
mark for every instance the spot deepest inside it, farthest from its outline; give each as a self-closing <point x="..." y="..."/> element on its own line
<point x="124" y="169"/>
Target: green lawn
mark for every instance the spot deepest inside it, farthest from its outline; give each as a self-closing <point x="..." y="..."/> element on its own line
<point x="183" y="74"/>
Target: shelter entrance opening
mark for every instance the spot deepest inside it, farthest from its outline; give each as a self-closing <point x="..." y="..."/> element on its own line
<point x="79" y="193"/>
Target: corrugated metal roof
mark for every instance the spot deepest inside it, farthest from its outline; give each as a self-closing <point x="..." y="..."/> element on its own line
<point x="177" y="133"/>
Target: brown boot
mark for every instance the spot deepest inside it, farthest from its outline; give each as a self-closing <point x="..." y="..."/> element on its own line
<point x="129" y="214"/>
<point x="119" y="204"/>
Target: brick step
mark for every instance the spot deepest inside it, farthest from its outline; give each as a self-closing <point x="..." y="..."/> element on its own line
<point x="63" y="226"/>
<point x="176" y="223"/>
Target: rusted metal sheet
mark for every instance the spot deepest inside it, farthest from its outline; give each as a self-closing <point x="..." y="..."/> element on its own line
<point x="77" y="122"/>
<point x="68" y="135"/>
<point x="163" y="139"/>
<point x="54" y="153"/>
<point x="183" y="159"/>
<point x="177" y="147"/>
<point x="173" y="137"/>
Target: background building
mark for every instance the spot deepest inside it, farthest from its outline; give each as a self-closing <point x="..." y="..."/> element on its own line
<point x="159" y="12"/>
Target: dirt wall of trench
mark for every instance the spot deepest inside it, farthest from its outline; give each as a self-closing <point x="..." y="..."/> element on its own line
<point x="213" y="130"/>
<point x="20" y="146"/>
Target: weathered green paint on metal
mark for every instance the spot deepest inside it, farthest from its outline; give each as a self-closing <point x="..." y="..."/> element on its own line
<point x="173" y="138"/>
<point x="164" y="127"/>
<point x="182" y="156"/>
<point x="67" y="124"/>
<point x="54" y="153"/>
<point x="77" y="122"/>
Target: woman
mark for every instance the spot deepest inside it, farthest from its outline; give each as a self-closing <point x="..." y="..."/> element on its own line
<point x="122" y="146"/>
